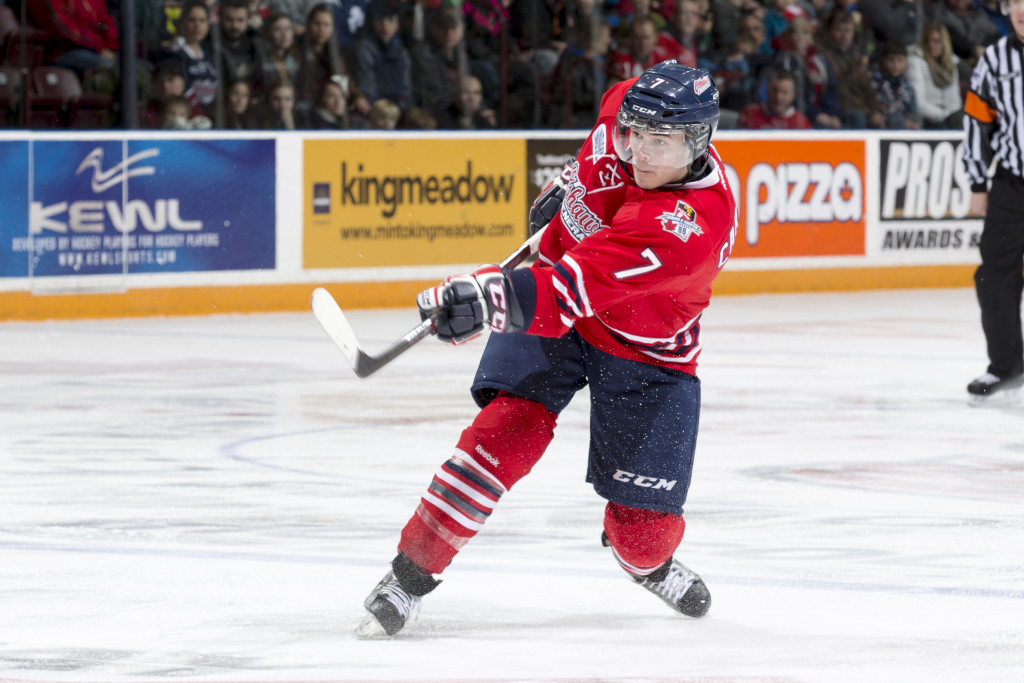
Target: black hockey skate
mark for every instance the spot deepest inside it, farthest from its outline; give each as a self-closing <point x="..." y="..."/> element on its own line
<point x="395" y="601"/>
<point x="990" y="388"/>
<point x="679" y="587"/>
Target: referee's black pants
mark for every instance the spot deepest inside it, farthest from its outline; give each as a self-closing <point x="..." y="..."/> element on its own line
<point x="999" y="280"/>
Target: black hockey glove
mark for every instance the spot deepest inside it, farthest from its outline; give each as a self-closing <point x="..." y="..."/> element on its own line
<point x="547" y="204"/>
<point x="463" y="304"/>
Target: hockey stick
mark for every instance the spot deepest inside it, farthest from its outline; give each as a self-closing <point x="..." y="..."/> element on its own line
<point x="332" y="319"/>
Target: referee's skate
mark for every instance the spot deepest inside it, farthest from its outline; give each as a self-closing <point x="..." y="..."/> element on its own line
<point x="990" y="389"/>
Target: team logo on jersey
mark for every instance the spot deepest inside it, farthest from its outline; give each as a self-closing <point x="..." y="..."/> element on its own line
<point x="682" y="222"/>
<point x="577" y="217"/>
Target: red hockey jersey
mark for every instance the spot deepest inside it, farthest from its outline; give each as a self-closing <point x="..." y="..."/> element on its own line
<point x="631" y="269"/>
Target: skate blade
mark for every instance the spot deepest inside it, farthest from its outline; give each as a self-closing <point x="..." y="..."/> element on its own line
<point x="1006" y="397"/>
<point x="369" y="627"/>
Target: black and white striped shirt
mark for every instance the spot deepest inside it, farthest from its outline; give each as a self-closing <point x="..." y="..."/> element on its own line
<point x="994" y="113"/>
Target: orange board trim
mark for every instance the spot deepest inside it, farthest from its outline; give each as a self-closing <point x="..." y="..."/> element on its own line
<point x="271" y="298"/>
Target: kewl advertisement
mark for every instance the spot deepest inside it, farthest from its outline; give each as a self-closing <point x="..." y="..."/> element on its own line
<point x="144" y="206"/>
<point x="14" y="199"/>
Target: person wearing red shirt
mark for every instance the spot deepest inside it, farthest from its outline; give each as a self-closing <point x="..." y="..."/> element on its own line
<point x="777" y="111"/>
<point x="83" y="33"/>
<point x="639" y="224"/>
<point x="643" y="50"/>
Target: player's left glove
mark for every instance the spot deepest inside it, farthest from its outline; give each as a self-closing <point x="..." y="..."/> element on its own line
<point x="548" y="203"/>
<point x="463" y="304"/>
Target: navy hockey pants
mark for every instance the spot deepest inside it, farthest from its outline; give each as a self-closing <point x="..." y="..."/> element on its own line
<point x="643" y="417"/>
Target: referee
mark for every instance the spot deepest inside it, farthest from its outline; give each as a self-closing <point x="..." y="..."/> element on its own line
<point x="994" y="132"/>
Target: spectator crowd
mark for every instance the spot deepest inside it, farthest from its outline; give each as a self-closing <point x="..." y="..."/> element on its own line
<point x="485" y="64"/>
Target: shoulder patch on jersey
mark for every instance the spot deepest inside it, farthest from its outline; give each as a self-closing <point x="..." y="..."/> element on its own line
<point x="682" y="222"/>
<point x="599" y="144"/>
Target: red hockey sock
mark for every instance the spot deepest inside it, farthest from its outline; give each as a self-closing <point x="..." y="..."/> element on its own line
<point x="505" y="441"/>
<point x="643" y="540"/>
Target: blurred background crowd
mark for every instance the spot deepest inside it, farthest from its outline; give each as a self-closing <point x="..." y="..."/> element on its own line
<point x="480" y="64"/>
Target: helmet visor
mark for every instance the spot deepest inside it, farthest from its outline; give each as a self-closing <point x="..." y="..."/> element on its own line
<point x="645" y="143"/>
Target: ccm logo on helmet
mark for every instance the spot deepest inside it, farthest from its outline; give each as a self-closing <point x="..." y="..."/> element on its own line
<point x="643" y="110"/>
<point x="701" y="84"/>
<point x="641" y="480"/>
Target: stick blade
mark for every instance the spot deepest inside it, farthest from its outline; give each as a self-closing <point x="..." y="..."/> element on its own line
<point x="336" y="325"/>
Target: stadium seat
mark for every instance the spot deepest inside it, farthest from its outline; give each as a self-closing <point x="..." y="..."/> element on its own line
<point x="25" y="47"/>
<point x="56" y="100"/>
<point x="10" y="96"/>
<point x="52" y="92"/>
<point x="91" y="111"/>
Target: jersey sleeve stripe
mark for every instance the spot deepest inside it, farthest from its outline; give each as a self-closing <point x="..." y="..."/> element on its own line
<point x="570" y="300"/>
<point x="576" y="281"/>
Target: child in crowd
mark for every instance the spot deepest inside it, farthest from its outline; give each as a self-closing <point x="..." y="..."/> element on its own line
<point x="735" y="75"/>
<point x="778" y="15"/>
<point x="384" y="115"/>
<point x="895" y="92"/>
<point x="176" y="114"/>
<point x="167" y="82"/>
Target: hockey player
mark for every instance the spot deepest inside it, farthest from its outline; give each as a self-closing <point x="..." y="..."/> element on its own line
<point x="641" y="222"/>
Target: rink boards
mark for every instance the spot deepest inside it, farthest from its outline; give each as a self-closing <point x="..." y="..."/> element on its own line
<point x="111" y="225"/>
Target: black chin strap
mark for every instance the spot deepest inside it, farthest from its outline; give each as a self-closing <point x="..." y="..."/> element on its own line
<point x="700" y="168"/>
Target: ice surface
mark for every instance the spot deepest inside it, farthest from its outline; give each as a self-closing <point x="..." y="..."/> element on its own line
<point x="210" y="499"/>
